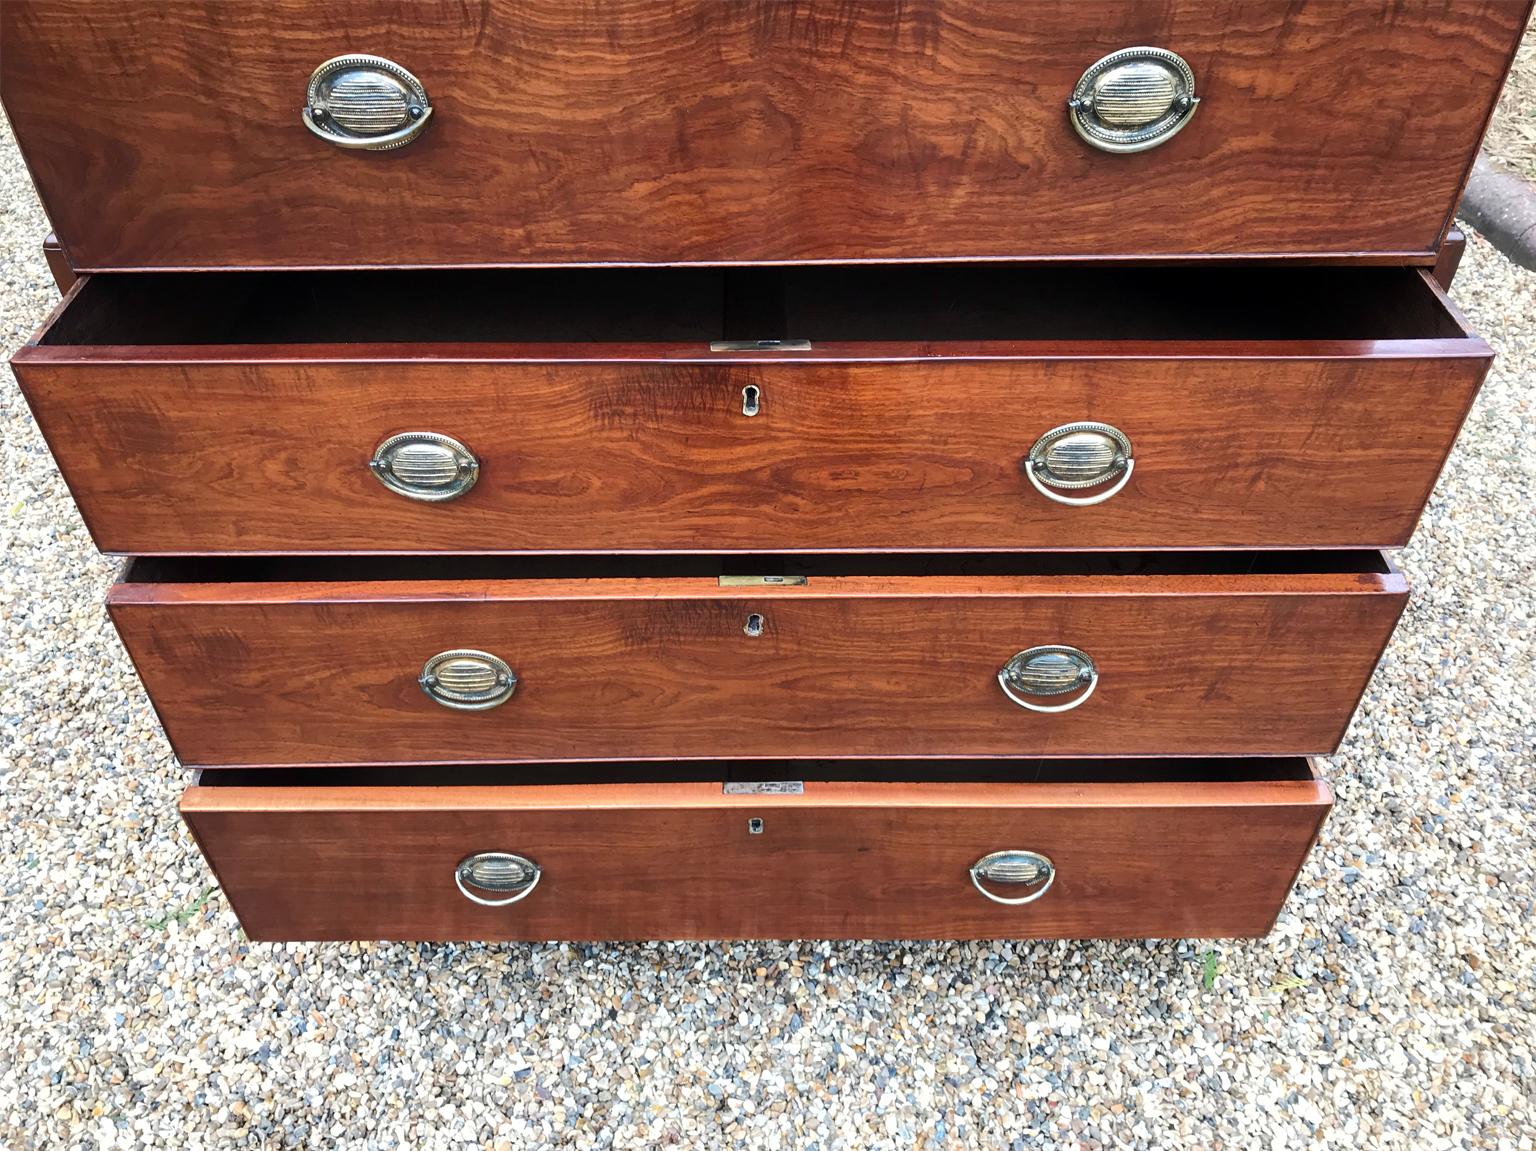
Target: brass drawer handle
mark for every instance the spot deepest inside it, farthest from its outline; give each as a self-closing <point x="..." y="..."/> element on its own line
<point x="498" y="871"/>
<point x="1075" y="456"/>
<point x="1025" y="868"/>
<point x="368" y="102"/>
<point x="425" y="466"/>
<point x="1133" y="99"/>
<point x="1051" y="670"/>
<point x="467" y="680"/>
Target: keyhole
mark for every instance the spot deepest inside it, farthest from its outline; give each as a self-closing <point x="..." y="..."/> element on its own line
<point x="749" y="399"/>
<point x="754" y="624"/>
<point x="754" y="826"/>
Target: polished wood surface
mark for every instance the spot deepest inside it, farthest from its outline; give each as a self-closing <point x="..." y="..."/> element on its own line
<point x="677" y="861"/>
<point x="273" y="457"/>
<point x="1448" y="260"/>
<point x="913" y="442"/>
<point x="58" y="263"/>
<point x="739" y="132"/>
<point x="325" y="672"/>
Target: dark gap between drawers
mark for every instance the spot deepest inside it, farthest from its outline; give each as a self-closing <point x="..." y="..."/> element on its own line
<point x="264" y="569"/>
<point x="928" y="303"/>
<point x="827" y="771"/>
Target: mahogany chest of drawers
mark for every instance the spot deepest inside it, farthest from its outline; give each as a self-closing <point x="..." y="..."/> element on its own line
<point x="687" y="470"/>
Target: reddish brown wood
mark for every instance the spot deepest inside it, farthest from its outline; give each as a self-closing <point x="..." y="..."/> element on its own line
<point x="676" y="861"/>
<point x="740" y="132"/>
<point x="325" y="673"/>
<point x="1449" y="258"/>
<point x="899" y="444"/>
<point x="58" y="263"/>
<point x="386" y="355"/>
<point x="635" y="457"/>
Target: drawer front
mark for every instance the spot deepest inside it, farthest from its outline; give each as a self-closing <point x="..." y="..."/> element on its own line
<point x="340" y="671"/>
<point x="275" y="457"/>
<point x="682" y="861"/>
<point x="742" y="132"/>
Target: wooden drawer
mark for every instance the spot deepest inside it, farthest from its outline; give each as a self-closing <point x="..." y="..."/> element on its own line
<point x="1151" y="849"/>
<point x="169" y="134"/>
<point x="1262" y="407"/>
<point x="293" y="663"/>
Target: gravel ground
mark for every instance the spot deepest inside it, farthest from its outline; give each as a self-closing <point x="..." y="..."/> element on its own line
<point x="1512" y="135"/>
<point x="1391" y="1007"/>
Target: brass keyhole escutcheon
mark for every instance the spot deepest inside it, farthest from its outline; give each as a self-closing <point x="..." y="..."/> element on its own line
<point x="751" y="399"/>
<point x="754" y="625"/>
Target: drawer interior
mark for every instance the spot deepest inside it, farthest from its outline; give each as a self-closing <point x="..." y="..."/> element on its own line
<point x="775" y="568"/>
<point x="769" y="771"/>
<point x="821" y="304"/>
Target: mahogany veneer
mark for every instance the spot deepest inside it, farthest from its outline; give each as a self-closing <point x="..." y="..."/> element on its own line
<point x="318" y="664"/>
<point x="1159" y="854"/>
<point x="166" y="133"/>
<point x="1307" y="408"/>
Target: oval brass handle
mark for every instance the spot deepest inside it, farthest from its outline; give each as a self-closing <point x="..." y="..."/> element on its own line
<point x="368" y="102"/>
<point x="498" y="871"/>
<point x="467" y="680"/>
<point x="1027" y="868"/>
<point x="1133" y="99"/>
<point x="426" y="466"/>
<point x="1050" y="670"/>
<point x="1082" y="455"/>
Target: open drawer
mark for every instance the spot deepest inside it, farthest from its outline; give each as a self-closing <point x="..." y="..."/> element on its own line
<point x="968" y="408"/>
<point x="295" y="662"/>
<point x="956" y="850"/>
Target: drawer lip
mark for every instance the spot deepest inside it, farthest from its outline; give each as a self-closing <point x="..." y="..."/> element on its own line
<point x="1314" y="792"/>
<point x="1442" y="331"/>
<point x="1469" y="346"/>
<point x="1373" y="257"/>
<point x="159" y="595"/>
<point x="126" y="592"/>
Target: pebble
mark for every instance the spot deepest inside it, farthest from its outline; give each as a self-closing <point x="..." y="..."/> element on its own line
<point x="1391" y="1006"/>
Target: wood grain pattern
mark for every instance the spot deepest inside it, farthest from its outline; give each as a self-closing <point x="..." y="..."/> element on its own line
<point x="637" y="131"/>
<point x="656" y="456"/>
<point x="675" y="861"/>
<point x="891" y="666"/>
